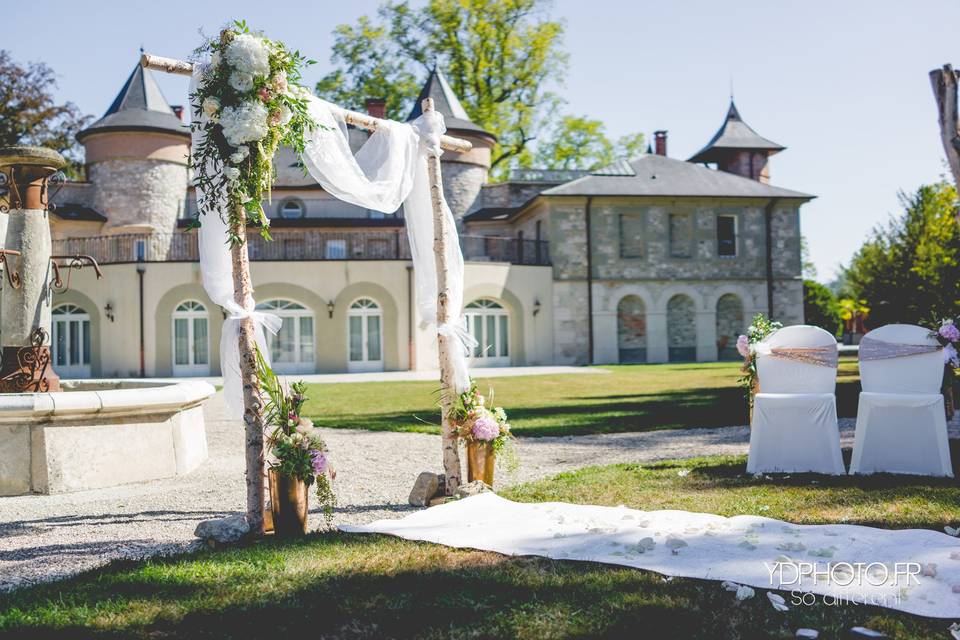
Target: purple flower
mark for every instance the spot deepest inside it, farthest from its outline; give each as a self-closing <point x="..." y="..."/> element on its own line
<point x="319" y="460"/>
<point x="949" y="331"/>
<point x="485" y="428"/>
<point x="743" y="346"/>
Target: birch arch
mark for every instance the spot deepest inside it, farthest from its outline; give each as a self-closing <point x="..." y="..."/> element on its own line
<point x="243" y="294"/>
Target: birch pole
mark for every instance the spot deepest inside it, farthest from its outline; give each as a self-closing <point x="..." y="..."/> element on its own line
<point x="252" y="401"/>
<point x="449" y="439"/>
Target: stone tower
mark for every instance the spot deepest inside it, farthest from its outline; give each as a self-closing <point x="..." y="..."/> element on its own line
<point x="736" y="148"/>
<point x="136" y="157"/>
<point x="463" y="173"/>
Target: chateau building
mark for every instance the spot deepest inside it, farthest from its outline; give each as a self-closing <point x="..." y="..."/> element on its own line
<point x="651" y="259"/>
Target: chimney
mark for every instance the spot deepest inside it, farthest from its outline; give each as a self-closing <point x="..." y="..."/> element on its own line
<point x="660" y="139"/>
<point x="177" y="110"/>
<point x="376" y="107"/>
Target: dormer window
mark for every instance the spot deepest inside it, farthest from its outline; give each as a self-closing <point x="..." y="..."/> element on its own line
<point x="292" y="209"/>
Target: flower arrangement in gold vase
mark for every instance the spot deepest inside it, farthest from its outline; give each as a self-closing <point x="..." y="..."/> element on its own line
<point x="486" y="432"/>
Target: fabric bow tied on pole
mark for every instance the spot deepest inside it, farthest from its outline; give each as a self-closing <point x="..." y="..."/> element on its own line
<point x="230" y="355"/>
<point x="464" y="343"/>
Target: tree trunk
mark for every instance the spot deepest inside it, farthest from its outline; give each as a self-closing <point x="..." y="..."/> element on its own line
<point x="944" y="83"/>
<point x="450" y="440"/>
<point x="252" y="402"/>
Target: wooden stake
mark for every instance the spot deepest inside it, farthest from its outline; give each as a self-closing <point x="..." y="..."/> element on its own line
<point x="252" y="401"/>
<point x="450" y="440"/>
<point x="944" y="82"/>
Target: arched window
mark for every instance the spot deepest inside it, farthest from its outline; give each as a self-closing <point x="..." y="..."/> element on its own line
<point x="292" y="349"/>
<point x="191" y="339"/>
<point x="730" y="323"/>
<point x="365" y="336"/>
<point x="632" y="330"/>
<point x="681" y="329"/>
<point x="291" y="209"/>
<point x="70" y="341"/>
<point x="489" y="324"/>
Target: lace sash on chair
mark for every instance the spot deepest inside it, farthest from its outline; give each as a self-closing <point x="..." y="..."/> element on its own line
<point x="825" y="356"/>
<point x="873" y="349"/>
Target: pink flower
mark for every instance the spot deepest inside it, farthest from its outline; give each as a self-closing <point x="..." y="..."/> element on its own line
<point x="280" y="82"/>
<point x="319" y="460"/>
<point x="743" y="346"/>
<point x="264" y="94"/>
<point x="485" y="428"/>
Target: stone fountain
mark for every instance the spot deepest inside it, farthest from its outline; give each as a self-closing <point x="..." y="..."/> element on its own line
<point x="71" y="436"/>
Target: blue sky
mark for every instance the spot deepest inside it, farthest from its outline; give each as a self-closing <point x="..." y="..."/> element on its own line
<point x="842" y="84"/>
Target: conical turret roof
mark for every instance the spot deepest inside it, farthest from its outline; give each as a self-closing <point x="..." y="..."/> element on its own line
<point x="446" y="102"/>
<point x="140" y="106"/>
<point x="734" y="135"/>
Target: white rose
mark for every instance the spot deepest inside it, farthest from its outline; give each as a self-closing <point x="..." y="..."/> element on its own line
<point x="285" y="114"/>
<point x="242" y="82"/>
<point x="240" y="155"/>
<point x="231" y="173"/>
<point x="244" y="123"/>
<point x="215" y="59"/>
<point x="211" y="106"/>
<point x="248" y="54"/>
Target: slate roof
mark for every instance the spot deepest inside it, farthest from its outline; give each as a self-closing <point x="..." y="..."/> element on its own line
<point x="446" y="102"/>
<point x="70" y="211"/>
<point x="734" y="134"/>
<point x="140" y="106"/>
<point x="653" y="175"/>
<point x="488" y="214"/>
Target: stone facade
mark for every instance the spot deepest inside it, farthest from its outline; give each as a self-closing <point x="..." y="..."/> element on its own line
<point x="139" y="193"/>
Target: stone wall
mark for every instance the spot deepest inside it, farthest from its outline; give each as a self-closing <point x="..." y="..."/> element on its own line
<point x="140" y="193"/>
<point x="461" y="185"/>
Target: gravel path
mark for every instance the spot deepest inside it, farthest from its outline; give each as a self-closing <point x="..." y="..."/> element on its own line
<point x="50" y="537"/>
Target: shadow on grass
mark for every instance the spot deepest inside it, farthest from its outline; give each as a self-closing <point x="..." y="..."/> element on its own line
<point x="615" y="413"/>
<point x="364" y="586"/>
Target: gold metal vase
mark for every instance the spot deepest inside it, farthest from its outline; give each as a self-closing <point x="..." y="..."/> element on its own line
<point x="288" y="504"/>
<point x="480" y="462"/>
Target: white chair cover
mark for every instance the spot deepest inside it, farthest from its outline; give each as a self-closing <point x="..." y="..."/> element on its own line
<point x="901" y="427"/>
<point x="794" y="427"/>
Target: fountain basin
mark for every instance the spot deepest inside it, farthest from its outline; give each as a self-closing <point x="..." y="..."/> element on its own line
<point x="100" y="433"/>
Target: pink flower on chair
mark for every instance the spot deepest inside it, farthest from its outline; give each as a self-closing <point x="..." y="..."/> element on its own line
<point x="743" y="346"/>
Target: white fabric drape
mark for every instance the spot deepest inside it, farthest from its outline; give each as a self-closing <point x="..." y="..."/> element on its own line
<point x="388" y="171"/>
<point x="216" y="269"/>
<point x="744" y="549"/>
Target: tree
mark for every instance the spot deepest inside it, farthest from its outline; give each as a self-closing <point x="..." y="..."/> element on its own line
<point x="909" y="270"/>
<point x="30" y="115"/>
<point x="820" y="307"/>
<point x="578" y="142"/>
<point x="500" y="57"/>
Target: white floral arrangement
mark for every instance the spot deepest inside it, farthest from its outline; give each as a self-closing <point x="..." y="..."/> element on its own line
<point x="247" y="103"/>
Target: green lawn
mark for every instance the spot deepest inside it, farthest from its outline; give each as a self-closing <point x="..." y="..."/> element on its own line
<point x="355" y="586"/>
<point x="629" y="398"/>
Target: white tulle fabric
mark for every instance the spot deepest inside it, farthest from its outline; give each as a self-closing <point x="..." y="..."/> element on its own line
<point x="794" y="427"/>
<point x="216" y="270"/>
<point x="742" y="549"/>
<point x="388" y="171"/>
<point x="901" y="426"/>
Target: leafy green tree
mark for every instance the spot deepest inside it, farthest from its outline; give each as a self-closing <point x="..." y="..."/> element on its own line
<point x="909" y="270"/>
<point x="500" y="57"/>
<point x="820" y="307"/>
<point x="29" y="114"/>
<point x="579" y="142"/>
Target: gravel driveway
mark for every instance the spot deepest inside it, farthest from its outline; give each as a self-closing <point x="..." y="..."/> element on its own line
<point x="50" y="537"/>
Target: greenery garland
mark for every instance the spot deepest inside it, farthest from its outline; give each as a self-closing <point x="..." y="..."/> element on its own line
<point x="248" y="102"/>
<point x="759" y="329"/>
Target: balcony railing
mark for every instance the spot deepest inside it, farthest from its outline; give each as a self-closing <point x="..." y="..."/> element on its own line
<point x="306" y="245"/>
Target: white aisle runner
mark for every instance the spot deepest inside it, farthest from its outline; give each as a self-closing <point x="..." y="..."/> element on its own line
<point x="913" y="570"/>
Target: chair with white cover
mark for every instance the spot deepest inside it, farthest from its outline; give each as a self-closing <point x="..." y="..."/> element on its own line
<point x="901" y="427"/>
<point x="794" y="426"/>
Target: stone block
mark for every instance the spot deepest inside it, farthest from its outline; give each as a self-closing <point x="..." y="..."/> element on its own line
<point x="14" y="459"/>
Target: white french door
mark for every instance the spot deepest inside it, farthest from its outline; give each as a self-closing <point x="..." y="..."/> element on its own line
<point x="292" y="349"/>
<point x="365" y="336"/>
<point x="489" y="323"/>
<point x="71" y="341"/>
<point x="191" y="340"/>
